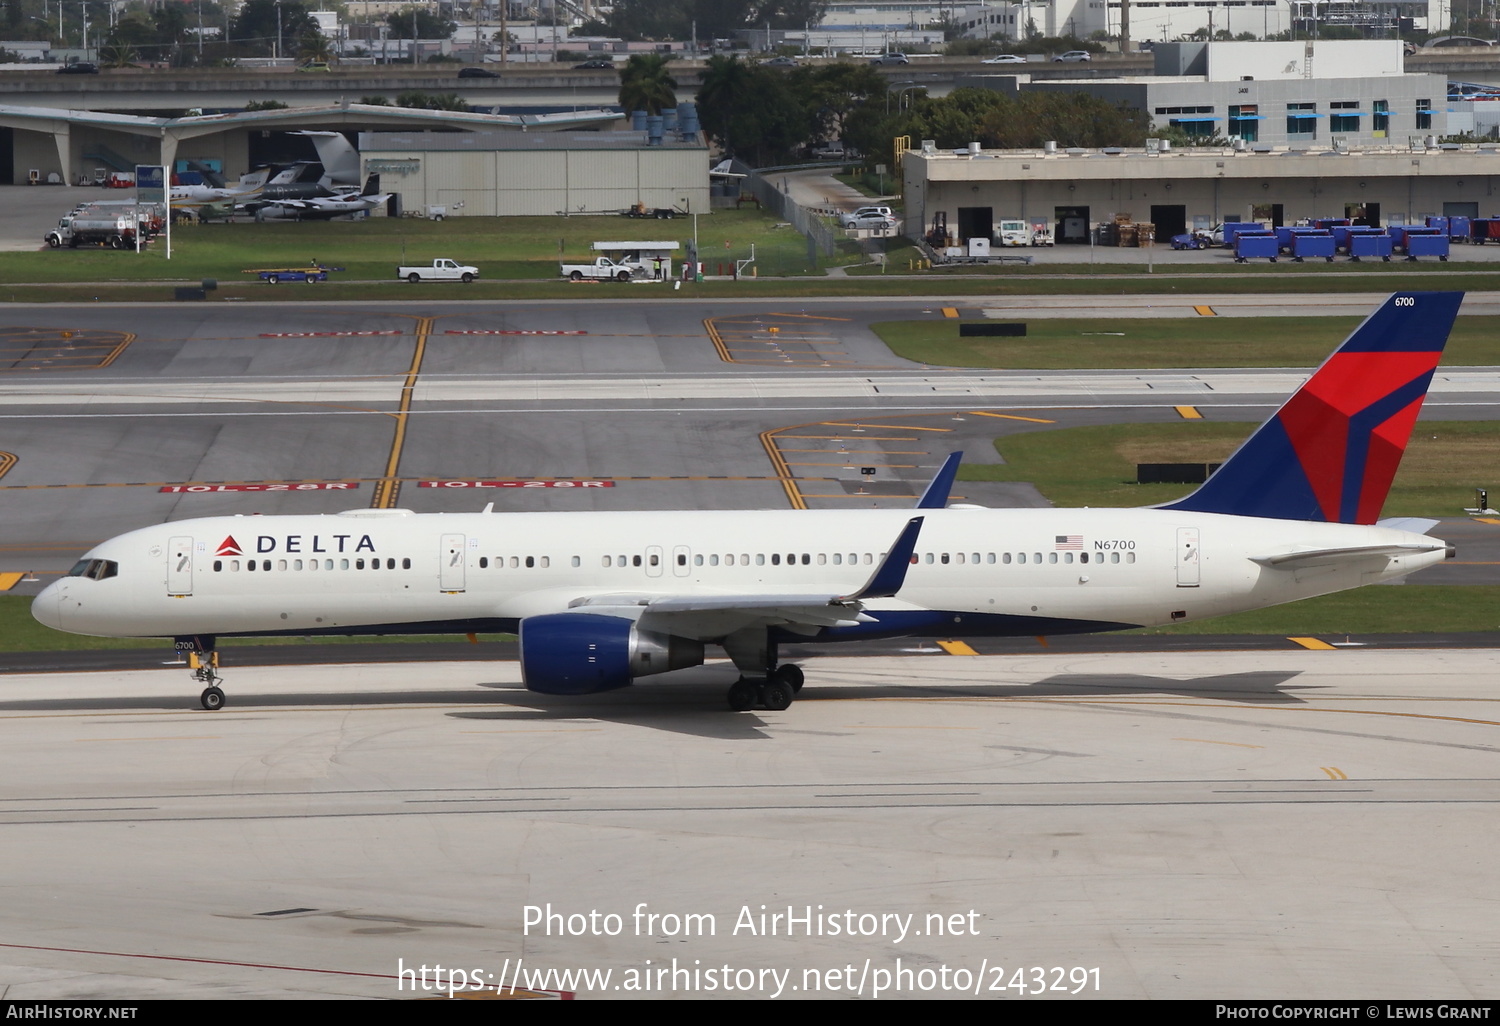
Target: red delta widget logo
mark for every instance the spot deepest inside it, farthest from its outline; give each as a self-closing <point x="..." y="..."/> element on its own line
<point x="299" y="543"/>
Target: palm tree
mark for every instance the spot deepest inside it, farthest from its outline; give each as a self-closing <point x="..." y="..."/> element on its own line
<point x="645" y="84"/>
<point x="725" y="89"/>
<point x="314" y="46"/>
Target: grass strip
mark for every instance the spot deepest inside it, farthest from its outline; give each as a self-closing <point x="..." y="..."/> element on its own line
<point x="1102" y="343"/>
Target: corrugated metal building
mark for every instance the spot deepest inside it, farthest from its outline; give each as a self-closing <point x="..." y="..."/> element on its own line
<point x="508" y="174"/>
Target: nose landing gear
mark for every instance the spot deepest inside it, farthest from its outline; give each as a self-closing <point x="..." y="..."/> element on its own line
<point x="203" y="660"/>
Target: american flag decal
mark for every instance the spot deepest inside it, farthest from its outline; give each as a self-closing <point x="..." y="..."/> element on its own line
<point x="1068" y="541"/>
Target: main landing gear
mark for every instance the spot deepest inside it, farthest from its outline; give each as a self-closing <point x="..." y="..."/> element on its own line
<point x="203" y="660"/>
<point x="763" y="683"/>
<point x="774" y="692"/>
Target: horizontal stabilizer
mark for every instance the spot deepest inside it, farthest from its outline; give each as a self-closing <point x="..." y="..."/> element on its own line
<point x="1411" y="525"/>
<point x="1323" y="557"/>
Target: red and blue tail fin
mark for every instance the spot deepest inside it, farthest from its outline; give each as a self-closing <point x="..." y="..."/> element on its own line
<point x="1331" y="451"/>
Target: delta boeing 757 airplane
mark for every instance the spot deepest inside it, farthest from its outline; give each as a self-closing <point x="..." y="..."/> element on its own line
<point x="601" y="598"/>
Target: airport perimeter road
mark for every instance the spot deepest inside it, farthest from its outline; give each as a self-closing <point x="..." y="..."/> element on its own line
<point x="119" y="417"/>
<point x="1216" y="825"/>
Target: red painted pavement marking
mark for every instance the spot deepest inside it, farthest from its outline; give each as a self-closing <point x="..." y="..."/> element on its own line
<point x="306" y="486"/>
<point x="326" y="334"/>
<point x="515" y="484"/>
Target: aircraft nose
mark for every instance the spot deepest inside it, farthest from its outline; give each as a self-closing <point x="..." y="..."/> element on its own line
<point x="46" y="608"/>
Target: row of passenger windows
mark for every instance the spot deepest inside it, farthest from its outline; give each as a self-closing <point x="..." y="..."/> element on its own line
<point x="819" y="559"/>
<point x="102" y="568"/>
<point x="234" y="565"/>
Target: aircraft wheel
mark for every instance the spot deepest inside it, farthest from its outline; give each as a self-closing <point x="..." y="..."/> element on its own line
<point x="212" y="699"/>
<point x="791" y="675"/>
<point x="413" y="278"/>
<point x="741" y="695"/>
<point x="776" y="696"/>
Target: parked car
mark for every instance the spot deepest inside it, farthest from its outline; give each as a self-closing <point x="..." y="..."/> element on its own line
<point x="780" y="62"/>
<point x="1004" y="58"/>
<point x="314" y="66"/>
<point x="597" y="64"/>
<point x="79" y="68"/>
<point x="868" y="217"/>
<point x="1073" y="56"/>
<point x="477" y="73"/>
<point x="891" y="58"/>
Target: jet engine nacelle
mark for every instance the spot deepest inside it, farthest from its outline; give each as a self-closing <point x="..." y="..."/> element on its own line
<point x="580" y="653"/>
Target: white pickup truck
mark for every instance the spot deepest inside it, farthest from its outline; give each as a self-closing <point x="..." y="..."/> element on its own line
<point x="441" y="269"/>
<point x="604" y="269"/>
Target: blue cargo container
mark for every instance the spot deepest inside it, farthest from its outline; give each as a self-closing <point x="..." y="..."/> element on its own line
<point x="1369" y="245"/>
<point x="1342" y="233"/>
<point x="1458" y="229"/>
<point x="1400" y="233"/>
<point x="1310" y="244"/>
<point x="1286" y="233"/>
<point x="1233" y="229"/>
<point x="1427" y="245"/>
<point x="1248" y="246"/>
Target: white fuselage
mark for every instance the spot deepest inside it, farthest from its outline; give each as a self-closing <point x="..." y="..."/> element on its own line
<point x="976" y="571"/>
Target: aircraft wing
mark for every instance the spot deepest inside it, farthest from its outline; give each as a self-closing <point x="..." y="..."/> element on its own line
<point x="714" y="615"/>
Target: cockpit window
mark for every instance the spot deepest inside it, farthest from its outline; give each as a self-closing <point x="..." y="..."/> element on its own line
<point x="96" y="569"/>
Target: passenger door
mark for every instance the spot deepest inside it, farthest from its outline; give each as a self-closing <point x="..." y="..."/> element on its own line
<point x="180" y="566"/>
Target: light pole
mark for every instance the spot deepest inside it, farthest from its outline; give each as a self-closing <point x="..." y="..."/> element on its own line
<point x="276" y="47"/>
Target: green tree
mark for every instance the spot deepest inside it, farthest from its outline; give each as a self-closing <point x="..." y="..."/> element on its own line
<point x="118" y="56"/>
<point x="832" y="93"/>
<point x="314" y="46"/>
<point x="674" y="19"/>
<point x="754" y="112"/>
<point x="646" y="84"/>
<point x="254" y="28"/>
<point x="432" y="101"/>
<point x="426" y="24"/>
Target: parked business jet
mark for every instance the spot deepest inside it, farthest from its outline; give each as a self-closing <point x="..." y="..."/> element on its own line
<point x="601" y="598"/>
<point x="325" y="208"/>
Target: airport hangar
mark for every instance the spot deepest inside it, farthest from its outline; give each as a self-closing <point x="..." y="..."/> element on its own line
<point x="1332" y="129"/>
<point x="495" y="164"/>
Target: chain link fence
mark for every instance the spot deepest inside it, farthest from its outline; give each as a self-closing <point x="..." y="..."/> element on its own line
<point x="821" y="240"/>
